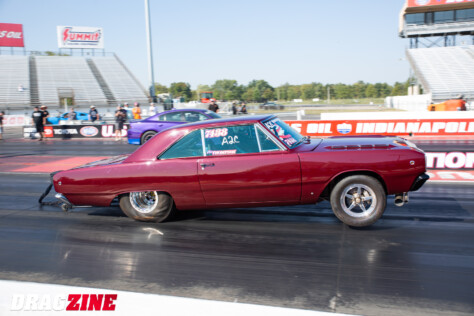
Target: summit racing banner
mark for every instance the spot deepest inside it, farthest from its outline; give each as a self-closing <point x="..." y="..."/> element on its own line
<point x="421" y="127"/>
<point x="423" y="3"/>
<point x="80" y="37"/>
<point x="11" y="35"/>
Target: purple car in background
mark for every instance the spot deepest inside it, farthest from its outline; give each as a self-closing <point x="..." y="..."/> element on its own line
<point x="142" y="130"/>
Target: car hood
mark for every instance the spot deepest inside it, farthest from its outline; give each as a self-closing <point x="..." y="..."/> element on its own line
<point x="362" y="142"/>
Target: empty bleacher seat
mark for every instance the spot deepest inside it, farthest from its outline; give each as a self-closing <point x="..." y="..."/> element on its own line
<point x="67" y="72"/>
<point x="14" y="81"/>
<point x="121" y="83"/>
<point x="444" y="71"/>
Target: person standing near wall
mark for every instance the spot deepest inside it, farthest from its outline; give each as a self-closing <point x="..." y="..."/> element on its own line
<point x="120" y="118"/>
<point x="37" y="120"/>
<point x="137" y="112"/>
<point x="44" y="109"/>
<point x="93" y="114"/>
<point x="152" y="109"/>
<point x="213" y="106"/>
<point x="1" y="124"/>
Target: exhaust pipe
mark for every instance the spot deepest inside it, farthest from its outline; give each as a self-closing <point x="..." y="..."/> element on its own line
<point x="401" y="199"/>
<point x="66" y="206"/>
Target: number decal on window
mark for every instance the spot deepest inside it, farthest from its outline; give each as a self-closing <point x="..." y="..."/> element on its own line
<point x="217" y="132"/>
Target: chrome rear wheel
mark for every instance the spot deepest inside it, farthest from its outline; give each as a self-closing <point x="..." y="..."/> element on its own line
<point x="144" y="202"/>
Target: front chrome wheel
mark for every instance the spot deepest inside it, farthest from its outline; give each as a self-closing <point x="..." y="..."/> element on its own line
<point x="358" y="200"/>
<point x="144" y="202"/>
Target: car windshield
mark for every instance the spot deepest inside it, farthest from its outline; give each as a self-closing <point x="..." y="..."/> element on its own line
<point x="212" y="114"/>
<point x="284" y="132"/>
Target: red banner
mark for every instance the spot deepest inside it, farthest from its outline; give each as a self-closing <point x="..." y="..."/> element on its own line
<point x="437" y="127"/>
<point x="424" y="3"/>
<point x="11" y="35"/>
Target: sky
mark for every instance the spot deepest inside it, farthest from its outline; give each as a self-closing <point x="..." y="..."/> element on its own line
<point x="201" y="41"/>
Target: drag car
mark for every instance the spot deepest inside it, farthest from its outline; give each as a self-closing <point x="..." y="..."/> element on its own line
<point x="249" y="162"/>
<point x="141" y="131"/>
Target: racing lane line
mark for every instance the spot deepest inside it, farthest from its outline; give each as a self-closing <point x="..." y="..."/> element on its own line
<point x="14" y="293"/>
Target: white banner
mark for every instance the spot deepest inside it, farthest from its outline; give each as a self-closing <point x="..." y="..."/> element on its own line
<point x="80" y="37"/>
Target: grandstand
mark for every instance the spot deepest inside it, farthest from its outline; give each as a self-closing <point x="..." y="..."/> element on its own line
<point x="26" y="81"/>
<point x="14" y="81"/>
<point x="441" y="53"/>
<point x="445" y="72"/>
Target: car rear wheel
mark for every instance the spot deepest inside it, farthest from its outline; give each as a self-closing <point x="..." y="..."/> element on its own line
<point x="147" y="136"/>
<point x="358" y="200"/>
<point x="147" y="206"/>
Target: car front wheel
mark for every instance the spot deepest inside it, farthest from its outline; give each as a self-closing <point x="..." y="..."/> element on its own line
<point x="358" y="200"/>
<point x="147" y="206"/>
<point x="147" y="136"/>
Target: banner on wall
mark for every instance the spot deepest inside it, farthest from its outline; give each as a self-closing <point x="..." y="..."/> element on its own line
<point x="80" y="37"/>
<point x="11" y="35"/>
<point x="75" y="131"/>
<point x="433" y="127"/>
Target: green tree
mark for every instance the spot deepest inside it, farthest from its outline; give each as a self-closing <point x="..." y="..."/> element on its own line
<point x="159" y="88"/>
<point x="370" y="91"/>
<point x="398" y="89"/>
<point x="226" y="89"/>
<point x="359" y="89"/>
<point x="181" y="89"/>
<point x="268" y="94"/>
<point x="307" y="91"/>
<point x="259" y="87"/>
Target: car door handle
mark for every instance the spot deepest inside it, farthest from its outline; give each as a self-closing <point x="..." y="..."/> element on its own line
<point x="204" y="165"/>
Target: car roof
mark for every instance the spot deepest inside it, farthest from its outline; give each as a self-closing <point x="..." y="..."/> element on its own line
<point x="224" y="121"/>
<point x="181" y="110"/>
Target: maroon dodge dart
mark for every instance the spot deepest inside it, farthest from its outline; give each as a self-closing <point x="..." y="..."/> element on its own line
<point x="247" y="162"/>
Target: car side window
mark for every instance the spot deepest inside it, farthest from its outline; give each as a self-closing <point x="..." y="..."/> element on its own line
<point x="188" y="146"/>
<point x="266" y="143"/>
<point x="174" y="117"/>
<point x="230" y="140"/>
<point x="194" y="117"/>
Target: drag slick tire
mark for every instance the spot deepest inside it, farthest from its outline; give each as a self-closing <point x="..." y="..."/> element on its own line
<point x="147" y="136"/>
<point x="358" y="200"/>
<point x="147" y="206"/>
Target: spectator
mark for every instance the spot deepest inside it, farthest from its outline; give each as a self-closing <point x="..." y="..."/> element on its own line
<point x="71" y="115"/>
<point x="213" y="106"/>
<point x="243" y="110"/>
<point x="20" y="88"/>
<point x="152" y="109"/>
<point x="234" y="108"/>
<point x="37" y="120"/>
<point x="120" y="118"/>
<point x="45" y="114"/>
<point x="125" y="106"/>
<point x="93" y="114"/>
<point x="137" y="112"/>
<point x="1" y="124"/>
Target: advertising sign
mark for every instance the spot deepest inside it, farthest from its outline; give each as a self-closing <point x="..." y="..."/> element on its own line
<point x="432" y="127"/>
<point x="11" y="35"/>
<point x="75" y="131"/>
<point x="424" y="3"/>
<point x="80" y="37"/>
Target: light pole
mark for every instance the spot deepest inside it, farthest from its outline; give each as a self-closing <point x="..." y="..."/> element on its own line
<point x="151" y="77"/>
